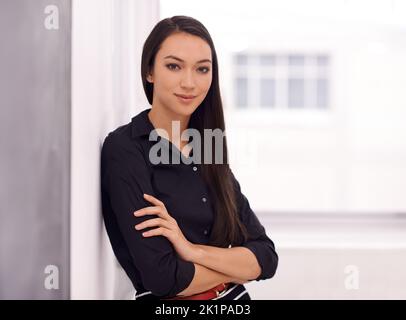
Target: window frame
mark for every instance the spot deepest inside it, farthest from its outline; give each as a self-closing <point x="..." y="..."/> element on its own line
<point x="280" y="112"/>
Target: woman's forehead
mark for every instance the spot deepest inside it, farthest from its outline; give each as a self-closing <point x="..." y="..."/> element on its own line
<point x="186" y="47"/>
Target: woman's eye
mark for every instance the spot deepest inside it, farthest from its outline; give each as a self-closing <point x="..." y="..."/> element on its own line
<point x="173" y="66"/>
<point x="204" y="69"/>
<point x="170" y="65"/>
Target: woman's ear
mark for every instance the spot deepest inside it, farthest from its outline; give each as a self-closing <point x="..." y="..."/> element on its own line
<point x="149" y="78"/>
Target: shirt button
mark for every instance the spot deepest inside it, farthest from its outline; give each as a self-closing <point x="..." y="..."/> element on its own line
<point x="194" y="168"/>
<point x="204" y="199"/>
<point x="205" y="232"/>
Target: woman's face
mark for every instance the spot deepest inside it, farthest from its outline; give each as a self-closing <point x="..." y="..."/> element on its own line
<point x="182" y="67"/>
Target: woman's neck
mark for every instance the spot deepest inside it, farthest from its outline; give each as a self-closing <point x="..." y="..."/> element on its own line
<point x="162" y="118"/>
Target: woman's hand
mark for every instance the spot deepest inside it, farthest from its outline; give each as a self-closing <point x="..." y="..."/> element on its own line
<point x="167" y="227"/>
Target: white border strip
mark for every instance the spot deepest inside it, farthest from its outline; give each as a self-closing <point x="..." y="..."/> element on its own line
<point x="226" y="292"/>
<point x="237" y="297"/>
<point x="142" y="294"/>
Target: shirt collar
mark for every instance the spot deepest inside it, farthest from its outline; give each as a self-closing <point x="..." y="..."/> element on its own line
<point x="141" y="125"/>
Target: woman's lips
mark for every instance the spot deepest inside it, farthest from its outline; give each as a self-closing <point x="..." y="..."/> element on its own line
<point x="185" y="98"/>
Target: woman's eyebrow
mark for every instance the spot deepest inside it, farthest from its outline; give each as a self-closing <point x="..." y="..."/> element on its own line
<point x="179" y="59"/>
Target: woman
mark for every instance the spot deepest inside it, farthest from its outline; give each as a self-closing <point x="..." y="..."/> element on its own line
<point x="180" y="230"/>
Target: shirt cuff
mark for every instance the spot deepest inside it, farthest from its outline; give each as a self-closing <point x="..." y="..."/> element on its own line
<point x="184" y="274"/>
<point x="266" y="256"/>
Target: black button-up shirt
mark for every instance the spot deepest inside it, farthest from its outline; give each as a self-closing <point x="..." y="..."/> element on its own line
<point x="151" y="263"/>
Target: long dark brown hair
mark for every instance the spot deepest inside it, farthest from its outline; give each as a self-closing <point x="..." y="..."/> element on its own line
<point x="227" y="228"/>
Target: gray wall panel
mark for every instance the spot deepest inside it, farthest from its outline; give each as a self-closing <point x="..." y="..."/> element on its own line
<point x="34" y="148"/>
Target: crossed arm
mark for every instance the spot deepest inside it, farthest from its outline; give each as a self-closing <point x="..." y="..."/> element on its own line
<point x="213" y="265"/>
<point x="216" y="265"/>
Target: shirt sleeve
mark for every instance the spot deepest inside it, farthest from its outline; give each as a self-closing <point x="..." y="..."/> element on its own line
<point x="258" y="241"/>
<point x="125" y="177"/>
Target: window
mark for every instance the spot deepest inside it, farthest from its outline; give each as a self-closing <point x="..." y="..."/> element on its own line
<point x="281" y="81"/>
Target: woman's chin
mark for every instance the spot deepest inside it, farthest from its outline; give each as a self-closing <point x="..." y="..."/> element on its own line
<point x="186" y="111"/>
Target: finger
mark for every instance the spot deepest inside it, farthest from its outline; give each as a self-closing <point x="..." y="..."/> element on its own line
<point x="148" y="210"/>
<point x="156" y="232"/>
<point x="153" y="223"/>
<point x="158" y="203"/>
<point x="153" y="200"/>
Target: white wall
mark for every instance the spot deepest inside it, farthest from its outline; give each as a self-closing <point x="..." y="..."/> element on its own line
<point x="107" y="37"/>
<point x="335" y="257"/>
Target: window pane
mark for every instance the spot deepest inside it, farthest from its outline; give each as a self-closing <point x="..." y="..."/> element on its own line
<point x="241" y="92"/>
<point x="296" y="60"/>
<point x="267" y="92"/>
<point x="322" y="60"/>
<point x="296" y="93"/>
<point x="322" y="93"/>
<point x="241" y="59"/>
<point x="266" y="60"/>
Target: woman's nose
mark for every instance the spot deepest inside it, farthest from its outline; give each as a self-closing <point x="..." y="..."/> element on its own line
<point x="187" y="80"/>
